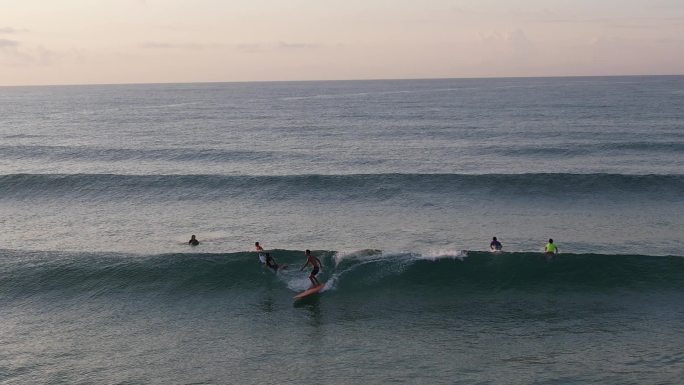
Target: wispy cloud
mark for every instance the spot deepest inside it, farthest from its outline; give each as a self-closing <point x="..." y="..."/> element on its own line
<point x="277" y="46"/>
<point x="516" y="40"/>
<point x="10" y="30"/>
<point x="7" y="43"/>
<point x="658" y="21"/>
<point x="285" y="45"/>
<point x="180" y="46"/>
<point x="242" y="47"/>
<point x="14" y="54"/>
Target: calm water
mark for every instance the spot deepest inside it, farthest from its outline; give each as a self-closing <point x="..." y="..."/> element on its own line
<point x="396" y="185"/>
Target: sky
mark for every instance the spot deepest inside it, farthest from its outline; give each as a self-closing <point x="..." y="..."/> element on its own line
<point x="174" y="41"/>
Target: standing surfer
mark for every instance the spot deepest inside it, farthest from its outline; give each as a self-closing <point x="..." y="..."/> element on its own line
<point x="316" y="264"/>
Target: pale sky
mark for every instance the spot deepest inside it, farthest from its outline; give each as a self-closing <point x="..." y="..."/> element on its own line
<point x="153" y="41"/>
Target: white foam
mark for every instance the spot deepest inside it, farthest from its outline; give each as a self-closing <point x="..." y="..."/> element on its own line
<point x="437" y="254"/>
<point x="362" y="254"/>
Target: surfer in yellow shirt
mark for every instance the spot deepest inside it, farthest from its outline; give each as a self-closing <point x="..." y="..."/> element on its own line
<point x="551" y="248"/>
<point x="316" y="264"/>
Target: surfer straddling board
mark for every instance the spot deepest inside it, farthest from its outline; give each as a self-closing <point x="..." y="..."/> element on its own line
<point x="495" y="245"/>
<point x="316" y="264"/>
<point x="550" y="249"/>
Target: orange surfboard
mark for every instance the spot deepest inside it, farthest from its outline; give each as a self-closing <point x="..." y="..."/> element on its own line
<point x="310" y="291"/>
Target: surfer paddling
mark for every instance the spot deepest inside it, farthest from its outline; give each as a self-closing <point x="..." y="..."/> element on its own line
<point x="316" y="264"/>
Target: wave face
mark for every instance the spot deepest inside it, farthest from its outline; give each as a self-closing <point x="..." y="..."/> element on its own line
<point x="360" y="273"/>
<point x="335" y="187"/>
<point x="513" y="271"/>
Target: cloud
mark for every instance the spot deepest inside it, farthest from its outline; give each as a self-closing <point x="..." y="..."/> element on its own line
<point x="284" y="45"/>
<point x="277" y="46"/>
<point x="668" y="5"/>
<point x="7" y="43"/>
<point x="14" y="54"/>
<point x="644" y="21"/>
<point x="513" y="41"/>
<point x="606" y="43"/>
<point x="181" y="46"/>
<point x="250" y="47"/>
<point x="10" y="30"/>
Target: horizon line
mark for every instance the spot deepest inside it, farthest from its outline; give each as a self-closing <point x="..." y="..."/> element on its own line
<point x="337" y="80"/>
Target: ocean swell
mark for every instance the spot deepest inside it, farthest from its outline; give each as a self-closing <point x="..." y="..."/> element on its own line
<point x="337" y="187"/>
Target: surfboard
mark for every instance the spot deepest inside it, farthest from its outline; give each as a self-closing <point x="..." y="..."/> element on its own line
<point x="310" y="291"/>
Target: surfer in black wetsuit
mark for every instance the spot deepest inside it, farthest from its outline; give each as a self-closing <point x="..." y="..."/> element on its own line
<point x="266" y="258"/>
<point x="193" y="241"/>
<point x="316" y="264"/>
<point x="495" y="245"/>
<point x="271" y="262"/>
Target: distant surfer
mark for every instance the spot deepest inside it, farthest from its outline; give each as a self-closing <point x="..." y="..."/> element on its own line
<point x="495" y="245"/>
<point x="550" y="248"/>
<point x="316" y="264"/>
<point x="193" y="241"/>
<point x="258" y="247"/>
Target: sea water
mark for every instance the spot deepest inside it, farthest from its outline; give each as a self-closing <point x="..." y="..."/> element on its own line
<point x="397" y="186"/>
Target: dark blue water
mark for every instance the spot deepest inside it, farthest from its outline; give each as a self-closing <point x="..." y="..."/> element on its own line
<point x="397" y="185"/>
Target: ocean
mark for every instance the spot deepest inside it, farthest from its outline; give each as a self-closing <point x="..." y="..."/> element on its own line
<point x="398" y="186"/>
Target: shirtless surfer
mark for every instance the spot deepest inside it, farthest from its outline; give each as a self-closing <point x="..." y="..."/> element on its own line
<point x="193" y="241"/>
<point x="316" y="264"/>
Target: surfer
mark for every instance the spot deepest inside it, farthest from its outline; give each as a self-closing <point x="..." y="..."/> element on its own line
<point x="316" y="264"/>
<point x="266" y="259"/>
<point x="551" y="248"/>
<point x="271" y="262"/>
<point x="193" y="241"/>
<point x="495" y="245"/>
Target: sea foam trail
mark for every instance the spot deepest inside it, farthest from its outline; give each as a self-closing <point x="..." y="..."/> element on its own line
<point x="24" y="275"/>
